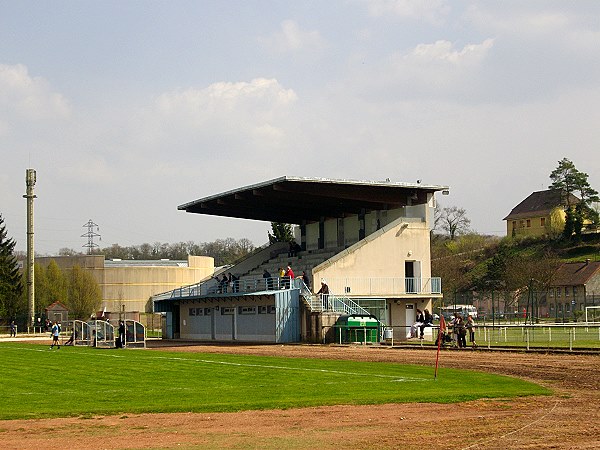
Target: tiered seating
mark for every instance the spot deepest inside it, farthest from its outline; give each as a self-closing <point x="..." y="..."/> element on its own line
<point x="303" y="261"/>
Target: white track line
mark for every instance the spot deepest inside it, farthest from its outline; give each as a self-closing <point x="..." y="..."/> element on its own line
<point x="515" y="431"/>
<point x="393" y="378"/>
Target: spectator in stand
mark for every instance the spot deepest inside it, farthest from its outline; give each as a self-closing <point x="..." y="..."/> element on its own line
<point x="281" y="278"/>
<point x="324" y="295"/>
<point x="289" y="275"/>
<point x="306" y="279"/>
<point x="294" y="249"/>
<point x="233" y="282"/>
<point x="224" y="283"/>
<point x="268" y="280"/>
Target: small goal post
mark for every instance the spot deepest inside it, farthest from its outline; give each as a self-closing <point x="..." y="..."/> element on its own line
<point x="592" y="314"/>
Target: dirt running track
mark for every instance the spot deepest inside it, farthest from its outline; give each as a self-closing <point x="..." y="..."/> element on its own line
<point x="570" y="419"/>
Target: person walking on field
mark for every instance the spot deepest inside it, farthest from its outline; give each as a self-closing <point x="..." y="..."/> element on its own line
<point x="13" y="329"/>
<point x="55" y="333"/>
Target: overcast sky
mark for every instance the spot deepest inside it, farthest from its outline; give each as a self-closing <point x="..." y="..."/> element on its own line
<point x="127" y="109"/>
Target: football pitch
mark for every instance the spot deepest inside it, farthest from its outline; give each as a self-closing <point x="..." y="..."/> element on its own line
<point x="74" y="381"/>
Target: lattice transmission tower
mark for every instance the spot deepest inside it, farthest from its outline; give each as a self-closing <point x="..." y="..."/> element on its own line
<point x="90" y="235"/>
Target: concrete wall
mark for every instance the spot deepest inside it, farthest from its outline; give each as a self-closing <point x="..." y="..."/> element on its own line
<point x="382" y="254"/>
<point x="128" y="288"/>
<point x="261" y="318"/>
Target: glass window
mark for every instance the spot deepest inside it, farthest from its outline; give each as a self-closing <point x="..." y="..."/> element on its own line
<point x="528" y="223"/>
<point x="566" y="291"/>
<point x="543" y="221"/>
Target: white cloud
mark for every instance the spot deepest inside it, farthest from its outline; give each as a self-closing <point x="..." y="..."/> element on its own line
<point x="444" y="52"/>
<point x="225" y="97"/>
<point x="26" y="97"/>
<point x="431" y="11"/>
<point x="439" y="70"/>
<point x="222" y="120"/>
<point x="292" y="39"/>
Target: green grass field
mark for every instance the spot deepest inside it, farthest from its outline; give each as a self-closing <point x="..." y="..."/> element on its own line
<point x="38" y="382"/>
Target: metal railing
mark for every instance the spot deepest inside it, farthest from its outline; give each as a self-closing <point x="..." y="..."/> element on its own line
<point x="385" y="285"/>
<point x="518" y="336"/>
<point x="330" y="302"/>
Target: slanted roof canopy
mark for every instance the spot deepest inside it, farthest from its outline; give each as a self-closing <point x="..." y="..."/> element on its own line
<point x="295" y="199"/>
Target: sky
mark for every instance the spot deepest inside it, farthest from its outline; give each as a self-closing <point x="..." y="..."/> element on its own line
<point x="127" y="109"/>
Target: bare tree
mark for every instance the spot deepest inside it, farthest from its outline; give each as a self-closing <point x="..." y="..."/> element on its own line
<point x="454" y="221"/>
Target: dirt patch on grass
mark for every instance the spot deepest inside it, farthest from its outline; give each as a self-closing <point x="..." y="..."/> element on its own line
<point x="568" y="419"/>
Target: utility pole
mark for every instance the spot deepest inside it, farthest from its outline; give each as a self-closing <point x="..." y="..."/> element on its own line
<point x="30" y="183"/>
<point x="90" y="235"/>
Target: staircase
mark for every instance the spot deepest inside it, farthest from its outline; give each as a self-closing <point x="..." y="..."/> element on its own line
<point x="333" y="303"/>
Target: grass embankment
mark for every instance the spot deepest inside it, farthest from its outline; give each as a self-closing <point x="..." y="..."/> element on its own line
<point x="38" y="382"/>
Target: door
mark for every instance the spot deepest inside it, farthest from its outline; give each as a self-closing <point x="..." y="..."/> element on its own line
<point x="409" y="277"/>
<point x="412" y="277"/>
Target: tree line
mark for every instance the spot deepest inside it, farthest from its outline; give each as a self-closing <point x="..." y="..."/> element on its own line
<point x="224" y="251"/>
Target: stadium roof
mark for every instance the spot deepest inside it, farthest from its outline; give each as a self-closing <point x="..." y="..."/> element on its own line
<point x="295" y="199"/>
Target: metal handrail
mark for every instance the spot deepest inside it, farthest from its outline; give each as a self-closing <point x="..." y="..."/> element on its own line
<point x="386" y="285"/>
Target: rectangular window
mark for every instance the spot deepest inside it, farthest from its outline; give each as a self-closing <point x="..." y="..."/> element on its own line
<point x="558" y="292"/>
<point x="528" y="223"/>
<point x="199" y="311"/>
<point x="208" y="311"/>
<point x="574" y="291"/>
<point x="192" y="311"/>
<point x="229" y="311"/>
<point x="247" y="310"/>
<point x="543" y="221"/>
<point x="550" y="292"/>
<point x="262" y="309"/>
<point x="566" y="291"/>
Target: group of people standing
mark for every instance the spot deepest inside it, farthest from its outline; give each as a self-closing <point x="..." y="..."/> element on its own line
<point x="460" y="328"/>
<point x="229" y="283"/>
<point x="285" y="278"/>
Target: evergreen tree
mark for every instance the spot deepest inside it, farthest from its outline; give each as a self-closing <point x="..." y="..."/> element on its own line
<point x="571" y="181"/>
<point x="569" y="228"/>
<point x="282" y="232"/>
<point x="11" y="280"/>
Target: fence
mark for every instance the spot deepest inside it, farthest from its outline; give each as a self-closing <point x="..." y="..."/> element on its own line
<point x="524" y="336"/>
